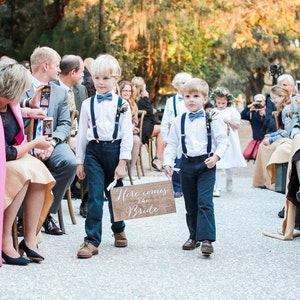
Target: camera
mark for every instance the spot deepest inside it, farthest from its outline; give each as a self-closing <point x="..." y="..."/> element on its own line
<point x="275" y="70"/>
<point x="257" y="106"/>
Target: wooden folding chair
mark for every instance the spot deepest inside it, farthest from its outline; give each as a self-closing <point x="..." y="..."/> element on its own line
<point x="139" y="163"/>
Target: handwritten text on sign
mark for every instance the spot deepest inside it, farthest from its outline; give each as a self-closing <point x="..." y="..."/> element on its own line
<point x="143" y="200"/>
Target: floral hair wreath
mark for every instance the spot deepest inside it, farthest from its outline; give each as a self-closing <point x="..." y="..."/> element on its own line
<point x="222" y="92"/>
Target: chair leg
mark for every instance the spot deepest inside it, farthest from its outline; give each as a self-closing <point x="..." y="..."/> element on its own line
<point x="149" y="155"/>
<point x="70" y="206"/>
<point x="15" y="235"/>
<point x="129" y="172"/>
<point x="151" y="150"/>
<point x="61" y="220"/>
<point x="140" y="162"/>
<point x="137" y="169"/>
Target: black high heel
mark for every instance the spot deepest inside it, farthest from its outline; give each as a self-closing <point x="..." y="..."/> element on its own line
<point x="32" y="255"/>
<point x="154" y="165"/>
<point x="19" y="261"/>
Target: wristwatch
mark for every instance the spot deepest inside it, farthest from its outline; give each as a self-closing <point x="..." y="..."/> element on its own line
<point x="53" y="143"/>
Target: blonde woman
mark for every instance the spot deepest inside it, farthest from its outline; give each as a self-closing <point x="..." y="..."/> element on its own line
<point x="150" y="128"/>
<point x="127" y="93"/>
<point x="276" y="147"/>
<point x="28" y="181"/>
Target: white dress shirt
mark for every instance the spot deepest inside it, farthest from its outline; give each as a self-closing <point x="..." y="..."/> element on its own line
<point x="169" y="114"/>
<point x="105" y="115"/>
<point x="195" y="139"/>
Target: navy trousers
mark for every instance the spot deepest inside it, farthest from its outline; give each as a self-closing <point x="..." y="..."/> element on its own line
<point x="176" y="177"/>
<point x="197" y="186"/>
<point x="101" y="161"/>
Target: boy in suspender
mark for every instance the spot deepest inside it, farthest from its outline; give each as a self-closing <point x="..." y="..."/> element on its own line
<point x="104" y="143"/>
<point x="174" y="107"/>
<point x="202" y="140"/>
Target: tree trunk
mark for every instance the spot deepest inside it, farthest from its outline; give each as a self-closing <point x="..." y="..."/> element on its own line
<point x="102" y="35"/>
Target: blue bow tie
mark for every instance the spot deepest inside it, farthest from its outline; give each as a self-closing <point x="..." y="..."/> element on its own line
<point x="196" y="115"/>
<point x="101" y="98"/>
<point x="180" y="98"/>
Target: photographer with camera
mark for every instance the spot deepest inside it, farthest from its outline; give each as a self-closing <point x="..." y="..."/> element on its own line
<point x="255" y="113"/>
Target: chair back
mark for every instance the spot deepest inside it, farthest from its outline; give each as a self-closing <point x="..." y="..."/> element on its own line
<point x="73" y="115"/>
<point x="141" y="115"/>
<point x="29" y="130"/>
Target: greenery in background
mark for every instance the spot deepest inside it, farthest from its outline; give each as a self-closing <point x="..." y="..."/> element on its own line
<point x="230" y="43"/>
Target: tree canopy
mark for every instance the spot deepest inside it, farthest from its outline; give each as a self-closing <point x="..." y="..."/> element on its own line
<point x="229" y="43"/>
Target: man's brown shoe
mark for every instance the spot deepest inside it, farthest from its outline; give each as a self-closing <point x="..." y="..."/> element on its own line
<point x="120" y="239"/>
<point x="207" y="248"/>
<point x="87" y="250"/>
<point x="190" y="244"/>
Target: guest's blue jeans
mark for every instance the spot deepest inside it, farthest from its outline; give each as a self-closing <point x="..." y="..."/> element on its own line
<point x="101" y="161"/>
<point x="197" y="186"/>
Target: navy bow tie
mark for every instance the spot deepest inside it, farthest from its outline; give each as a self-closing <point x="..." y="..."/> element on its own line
<point x="196" y="115"/>
<point x="101" y="98"/>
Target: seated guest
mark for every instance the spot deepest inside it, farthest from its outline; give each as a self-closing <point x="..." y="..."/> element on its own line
<point x="275" y="148"/>
<point x="126" y="92"/>
<point x="2" y="183"/>
<point x="292" y="203"/>
<point x="59" y="158"/>
<point x="28" y="181"/>
<point x="150" y="128"/>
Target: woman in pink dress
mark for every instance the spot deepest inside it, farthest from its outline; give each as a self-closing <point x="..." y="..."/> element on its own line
<point x="27" y="182"/>
<point x="2" y="183"/>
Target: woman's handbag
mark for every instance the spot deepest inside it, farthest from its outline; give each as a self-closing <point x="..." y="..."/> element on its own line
<point x="251" y="150"/>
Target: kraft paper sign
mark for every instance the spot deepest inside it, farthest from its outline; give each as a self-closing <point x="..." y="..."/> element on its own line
<point x="143" y="200"/>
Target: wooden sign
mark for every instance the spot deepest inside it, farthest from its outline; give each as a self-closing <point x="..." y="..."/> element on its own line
<point x="143" y="200"/>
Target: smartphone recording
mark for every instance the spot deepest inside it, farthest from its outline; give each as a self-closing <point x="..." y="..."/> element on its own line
<point x="45" y="96"/>
<point x="48" y="127"/>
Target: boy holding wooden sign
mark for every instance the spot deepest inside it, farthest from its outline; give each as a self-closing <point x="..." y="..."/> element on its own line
<point x="104" y="144"/>
<point x="202" y="140"/>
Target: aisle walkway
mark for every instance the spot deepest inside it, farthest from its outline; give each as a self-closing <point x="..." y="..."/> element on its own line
<point x="245" y="265"/>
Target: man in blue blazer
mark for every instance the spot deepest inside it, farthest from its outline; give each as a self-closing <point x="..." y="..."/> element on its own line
<point x="59" y="158"/>
<point x="72" y="70"/>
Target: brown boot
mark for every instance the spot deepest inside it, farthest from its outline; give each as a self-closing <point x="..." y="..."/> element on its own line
<point x="87" y="250"/>
<point x="120" y="239"/>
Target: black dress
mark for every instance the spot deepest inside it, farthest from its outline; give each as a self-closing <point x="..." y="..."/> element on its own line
<point x="149" y="120"/>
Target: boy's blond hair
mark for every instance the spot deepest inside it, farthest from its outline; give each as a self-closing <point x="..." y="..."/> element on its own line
<point x="106" y="65"/>
<point x="40" y="55"/>
<point x="196" y="85"/>
<point x="181" y="77"/>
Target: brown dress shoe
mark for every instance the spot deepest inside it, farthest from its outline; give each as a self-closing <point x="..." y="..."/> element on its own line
<point x="120" y="239"/>
<point x="207" y="248"/>
<point x="87" y="250"/>
<point x="50" y="226"/>
<point x="190" y="244"/>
